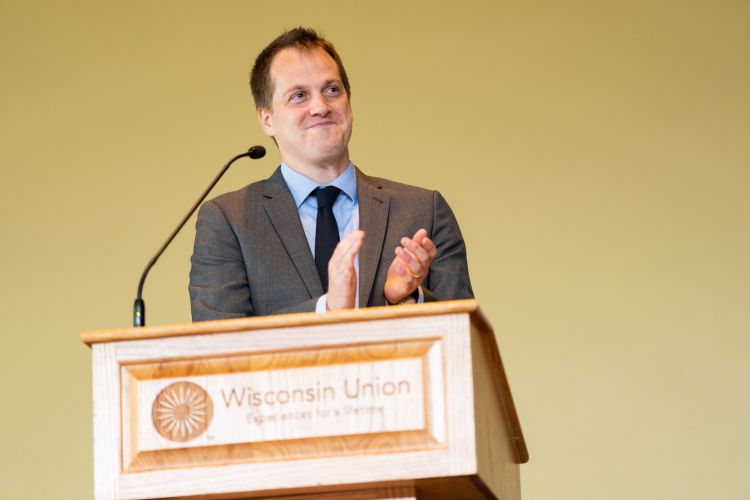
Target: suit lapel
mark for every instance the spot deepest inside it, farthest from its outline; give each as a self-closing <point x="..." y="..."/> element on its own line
<point x="374" y="203"/>
<point x="281" y="210"/>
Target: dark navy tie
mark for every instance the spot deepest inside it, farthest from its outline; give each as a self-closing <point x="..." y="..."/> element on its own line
<point x="326" y="231"/>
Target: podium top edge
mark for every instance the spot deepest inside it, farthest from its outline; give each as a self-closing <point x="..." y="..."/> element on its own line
<point x="285" y="321"/>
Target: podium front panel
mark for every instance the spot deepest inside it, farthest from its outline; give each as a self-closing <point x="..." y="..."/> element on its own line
<point x="287" y="409"/>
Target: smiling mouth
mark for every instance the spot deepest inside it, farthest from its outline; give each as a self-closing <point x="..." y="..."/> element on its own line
<point x="322" y="124"/>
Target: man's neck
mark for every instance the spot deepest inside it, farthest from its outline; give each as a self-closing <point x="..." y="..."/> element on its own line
<point x="321" y="172"/>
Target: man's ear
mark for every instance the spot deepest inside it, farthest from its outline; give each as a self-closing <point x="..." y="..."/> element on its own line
<point x="265" y="118"/>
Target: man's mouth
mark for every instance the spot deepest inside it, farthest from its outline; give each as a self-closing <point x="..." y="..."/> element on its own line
<point x="326" y="123"/>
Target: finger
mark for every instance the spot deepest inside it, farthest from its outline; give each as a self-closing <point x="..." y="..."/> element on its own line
<point x="353" y="239"/>
<point x="421" y="238"/>
<point x="416" y="250"/>
<point x="351" y="252"/>
<point x="429" y="247"/>
<point x="420" y="234"/>
<point x="417" y="239"/>
<point x="403" y="270"/>
<point x="404" y="257"/>
<point x="350" y="242"/>
<point x="426" y="243"/>
<point x="412" y="266"/>
<point x="403" y="254"/>
<point x="345" y="251"/>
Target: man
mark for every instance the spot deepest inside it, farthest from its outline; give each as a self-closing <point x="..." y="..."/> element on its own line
<point x="319" y="234"/>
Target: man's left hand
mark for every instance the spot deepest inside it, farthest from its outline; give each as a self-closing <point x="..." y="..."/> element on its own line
<point x="410" y="267"/>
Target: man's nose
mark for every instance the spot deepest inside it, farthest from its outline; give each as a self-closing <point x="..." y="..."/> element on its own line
<point x="319" y="105"/>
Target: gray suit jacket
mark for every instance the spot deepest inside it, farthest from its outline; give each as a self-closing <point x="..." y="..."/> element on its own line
<point x="251" y="256"/>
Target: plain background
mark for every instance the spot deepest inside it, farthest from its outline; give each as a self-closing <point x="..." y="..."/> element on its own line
<point x="595" y="153"/>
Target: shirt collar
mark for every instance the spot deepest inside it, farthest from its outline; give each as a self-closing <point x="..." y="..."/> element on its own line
<point x="301" y="186"/>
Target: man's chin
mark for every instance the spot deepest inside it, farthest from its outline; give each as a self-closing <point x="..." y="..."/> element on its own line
<point x="326" y="134"/>
<point x="334" y="153"/>
<point x="330" y="145"/>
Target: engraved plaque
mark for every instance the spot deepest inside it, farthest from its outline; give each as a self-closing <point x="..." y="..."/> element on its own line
<point x="301" y="404"/>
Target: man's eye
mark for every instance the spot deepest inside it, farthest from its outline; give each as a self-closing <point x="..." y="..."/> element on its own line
<point x="333" y="90"/>
<point x="297" y="96"/>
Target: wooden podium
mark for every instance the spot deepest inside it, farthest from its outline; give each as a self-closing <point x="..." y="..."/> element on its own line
<point x="389" y="402"/>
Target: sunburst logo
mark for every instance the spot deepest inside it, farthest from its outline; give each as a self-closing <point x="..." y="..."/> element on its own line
<point x="182" y="411"/>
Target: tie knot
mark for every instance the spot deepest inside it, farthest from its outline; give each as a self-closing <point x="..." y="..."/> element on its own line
<point x="326" y="196"/>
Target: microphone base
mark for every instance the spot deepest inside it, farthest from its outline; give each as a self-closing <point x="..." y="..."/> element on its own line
<point x="139" y="313"/>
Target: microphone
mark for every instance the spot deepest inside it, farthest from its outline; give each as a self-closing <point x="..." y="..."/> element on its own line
<point x="139" y="308"/>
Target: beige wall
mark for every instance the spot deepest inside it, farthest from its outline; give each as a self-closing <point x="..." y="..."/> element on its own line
<point x="596" y="154"/>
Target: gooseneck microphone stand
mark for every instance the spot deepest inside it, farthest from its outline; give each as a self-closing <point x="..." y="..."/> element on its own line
<point x="139" y="308"/>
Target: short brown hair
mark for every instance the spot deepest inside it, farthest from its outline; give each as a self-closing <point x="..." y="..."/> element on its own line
<point x="261" y="83"/>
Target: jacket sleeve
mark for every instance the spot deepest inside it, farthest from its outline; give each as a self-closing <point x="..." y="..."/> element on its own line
<point x="218" y="279"/>
<point x="449" y="271"/>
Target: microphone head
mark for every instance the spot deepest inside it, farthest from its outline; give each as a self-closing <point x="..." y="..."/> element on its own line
<point x="256" y="152"/>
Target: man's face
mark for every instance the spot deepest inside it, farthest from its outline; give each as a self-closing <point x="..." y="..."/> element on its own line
<point x="310" y="115"/>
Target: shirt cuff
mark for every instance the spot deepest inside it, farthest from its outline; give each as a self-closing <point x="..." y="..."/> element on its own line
<point x="419" y="298"/>
<point x="321" y="305"/>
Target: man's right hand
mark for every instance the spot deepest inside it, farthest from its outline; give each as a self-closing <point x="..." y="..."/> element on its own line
<point x="342" y="276"/>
